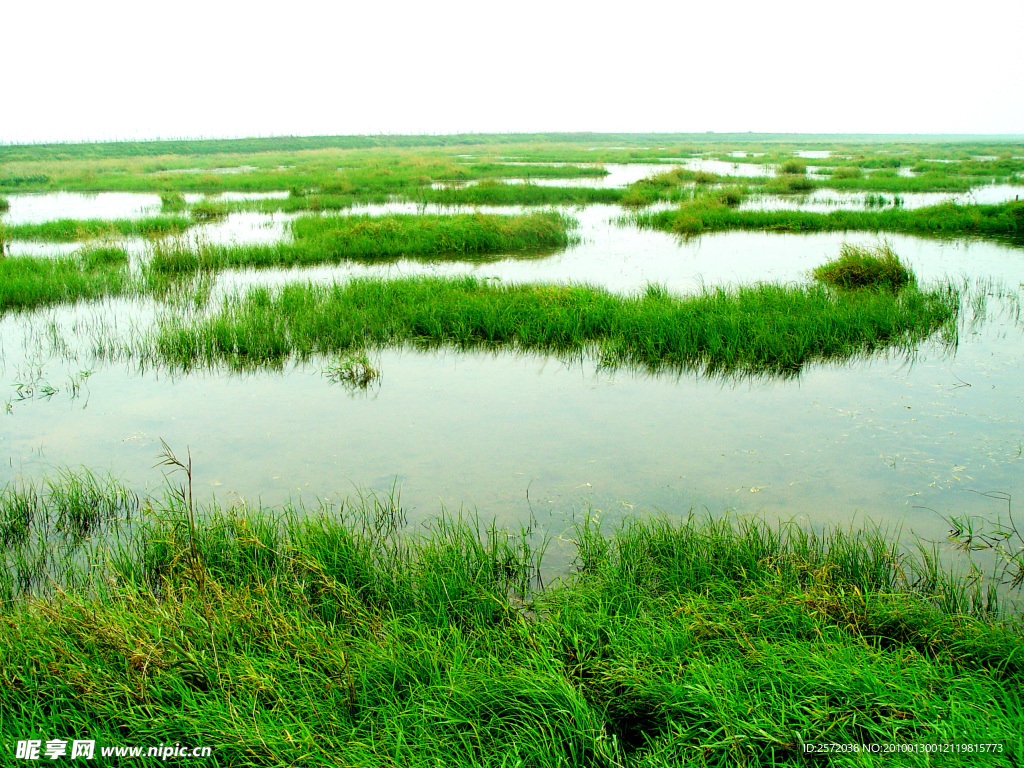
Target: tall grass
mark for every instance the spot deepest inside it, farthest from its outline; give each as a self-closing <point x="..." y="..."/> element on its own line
<point x="761" y="328"/>
<point x="338" y="636"/>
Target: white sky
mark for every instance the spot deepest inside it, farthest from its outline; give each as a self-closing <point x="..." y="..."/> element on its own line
<point x="116" y="70"/>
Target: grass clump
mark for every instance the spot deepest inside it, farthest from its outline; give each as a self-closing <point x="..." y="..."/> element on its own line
<point x="209" y="210"/>
<point x="172" y="202"/>
<point x="5" y="204"/>
<point x="864" y="267"/>
<point x="793" y="167"/>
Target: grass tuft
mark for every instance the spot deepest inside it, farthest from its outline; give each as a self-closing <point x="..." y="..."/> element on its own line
<point x="864" y="267"/>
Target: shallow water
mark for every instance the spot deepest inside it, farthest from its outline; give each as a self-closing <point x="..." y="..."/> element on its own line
<point x="894" y="440"/>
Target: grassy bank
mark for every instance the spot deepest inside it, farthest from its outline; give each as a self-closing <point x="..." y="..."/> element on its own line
<point x="705" y="214"/>
<point x="326" y="239"/>
<point x="760" y="328"/>
<point x="280" y="637"/>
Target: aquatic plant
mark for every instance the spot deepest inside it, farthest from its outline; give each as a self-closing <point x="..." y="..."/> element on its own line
<point x="5" y="204"/>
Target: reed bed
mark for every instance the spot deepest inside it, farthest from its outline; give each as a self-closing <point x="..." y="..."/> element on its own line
<point x="338" y="636"/>
<point x="763" y="328"/>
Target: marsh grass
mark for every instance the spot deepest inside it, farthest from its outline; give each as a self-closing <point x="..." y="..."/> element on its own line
<point x="865" y="267"/>
<point x="326" y="239"/>
<point x="764" y="328"/>
<point x="701" y="215"/>
<point x="27" y="282"/>
<point x="340" y="636"/>
<point x="5" y="204"/>
<point x="74" y="230"/>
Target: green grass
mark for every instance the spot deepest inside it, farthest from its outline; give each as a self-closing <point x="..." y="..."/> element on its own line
<point x="75" y="230"/>
<point x="863" y="267"/>
<point x="5" y="204"/>
<point x="327" y="239"/>
<point x="26" y="282"/>
<point x="339" y="637"/>
<point x="762" y="328"/>
<point x="703" y="215"/>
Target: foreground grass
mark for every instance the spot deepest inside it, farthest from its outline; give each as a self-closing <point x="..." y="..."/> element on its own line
<point x="283" y="637"/>
<point x="753" y="329"/>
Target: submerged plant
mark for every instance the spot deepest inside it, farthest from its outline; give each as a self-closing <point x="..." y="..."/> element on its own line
<point x="863" y="267"/>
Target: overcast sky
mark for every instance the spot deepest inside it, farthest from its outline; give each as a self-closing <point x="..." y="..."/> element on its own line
<point x="117" y="70"/>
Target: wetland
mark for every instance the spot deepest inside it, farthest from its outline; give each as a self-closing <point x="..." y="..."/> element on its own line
<point x="396" y="384"/>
